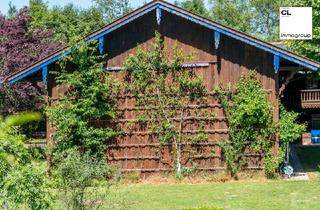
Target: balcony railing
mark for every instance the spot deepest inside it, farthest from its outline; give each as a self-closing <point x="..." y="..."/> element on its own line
<point x="310" y="95"/>
<point x="303" y="98"/>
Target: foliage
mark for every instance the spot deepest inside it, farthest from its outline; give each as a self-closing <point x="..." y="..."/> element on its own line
<point x="236" y="14"/>
<point x="12" y="11"/>
<point x="22" y="184"/>
<point x="266" y="18"/>
<point x="195" y="6"/>
<point x="113" y="9"/>
<point x="249" y="117"/>
<point x="19" y="48"/>
<point x="164" y="90"/>
<point x="255" y="17"/>
<point x="308" y="48"/>
<point x="68" y="23"/>
<point x="90" y="96"/>
<point x="26" y="188"/>
<point x="77" y="175"/>
<point x="290" y="129"/>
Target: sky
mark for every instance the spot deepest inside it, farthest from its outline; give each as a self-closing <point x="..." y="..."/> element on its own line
<point x="81" y="3"/>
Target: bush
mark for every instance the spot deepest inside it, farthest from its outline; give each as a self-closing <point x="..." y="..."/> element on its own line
<point x="79" y="177"/>
<point x="249" y="117"/>
<point x="26" y="188"/>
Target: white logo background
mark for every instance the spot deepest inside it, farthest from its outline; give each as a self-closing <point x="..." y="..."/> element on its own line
<point x="296" y="23"/>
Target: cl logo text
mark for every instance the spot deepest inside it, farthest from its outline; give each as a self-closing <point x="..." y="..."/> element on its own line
<point x="285" y="12"/>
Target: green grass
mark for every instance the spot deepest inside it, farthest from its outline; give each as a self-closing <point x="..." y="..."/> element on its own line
<point x="309" y="157"/>
<point x="233" y="195"/>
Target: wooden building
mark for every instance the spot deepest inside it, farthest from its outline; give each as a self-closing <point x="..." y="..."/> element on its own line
<point x="221" y="55"/>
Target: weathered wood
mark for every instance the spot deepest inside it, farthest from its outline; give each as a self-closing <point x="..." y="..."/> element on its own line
<point x="138" y="150"/>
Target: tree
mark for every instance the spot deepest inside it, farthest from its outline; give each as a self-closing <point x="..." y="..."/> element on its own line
<point x="20" y="47"/>
<point x="249" y="117"/>
<point x="12" y="11"/>
<point x="236" y="14"/>
<point x="68" y="23"/>
<point x="195" y="6"/>
<point x="165" y="91"/>
<point x="254" y="17"/>
<point x="266" y="18"/>
<point x="90" y="96"/>
<point x="308" y="48"/>
<point x="113" y="9"/>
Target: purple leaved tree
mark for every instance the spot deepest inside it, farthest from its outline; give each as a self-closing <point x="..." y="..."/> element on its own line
<point x="19" y="48"/>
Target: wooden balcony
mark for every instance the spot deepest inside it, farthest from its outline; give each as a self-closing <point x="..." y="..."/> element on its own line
<point x="305" y="99"/>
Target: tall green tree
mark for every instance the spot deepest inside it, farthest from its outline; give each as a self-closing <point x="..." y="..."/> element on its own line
<point x="255" y="17"/>
<point x="113" y="9"/>
<point x="236" y="14"/>
<point x="68" y="23"/>
<point x="308" y="48"/>
<point x="266" y="18"/>
<point x="195" y="6"/>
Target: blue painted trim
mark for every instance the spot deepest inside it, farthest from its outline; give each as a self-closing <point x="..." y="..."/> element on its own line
<point x="276" y="63"/>
<point x="45" y="75"/>
<point x="40" y="67"/>
<point x="236" y="36"/>
<point x="101" y="45"/>
<point x="160" y="6"/>
<point x="216" y="39"/>
<point x="159" y="15"/>
<point x="95" y="37"/>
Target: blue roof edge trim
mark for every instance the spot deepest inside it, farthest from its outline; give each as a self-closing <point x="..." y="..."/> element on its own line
<point x="95" y="37"/>
<point x="235" y="36"/>
<point x="40" y="67"/>
<point x="191" y="17"/>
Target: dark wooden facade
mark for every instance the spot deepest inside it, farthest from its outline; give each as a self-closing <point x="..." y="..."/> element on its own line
<point x="234" y="54"/>
<point x="138" y="150"/>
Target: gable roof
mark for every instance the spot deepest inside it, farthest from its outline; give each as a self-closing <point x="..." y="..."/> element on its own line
<point x="160" y="5"/>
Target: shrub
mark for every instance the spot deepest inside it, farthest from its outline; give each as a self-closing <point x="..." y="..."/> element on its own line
<point x="22" y="184"/>
<point x="90" y="96"/>
<point x="26" y="188"/>
<point x="79" y="177"/>
<point x="249" y="117"/>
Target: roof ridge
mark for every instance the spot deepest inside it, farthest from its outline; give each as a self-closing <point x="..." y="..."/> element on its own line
<point x="182" y="12"/>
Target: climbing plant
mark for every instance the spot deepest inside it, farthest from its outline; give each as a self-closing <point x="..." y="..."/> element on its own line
<point x="164" y="91"/>
<point x="90" y="95"/>
<point x="249" y="117"/>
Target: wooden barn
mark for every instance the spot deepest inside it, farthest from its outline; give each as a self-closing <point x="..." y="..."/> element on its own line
<point x="221" y="55"/>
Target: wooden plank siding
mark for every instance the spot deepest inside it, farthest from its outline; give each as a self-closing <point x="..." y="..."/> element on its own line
<point x="138" y="150"/>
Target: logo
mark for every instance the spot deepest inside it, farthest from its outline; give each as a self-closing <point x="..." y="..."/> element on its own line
<point x="296" y="23"/>
<point x="285" y="12"/>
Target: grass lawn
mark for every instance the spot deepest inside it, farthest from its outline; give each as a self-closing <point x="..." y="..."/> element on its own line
<point x="309" y="157"/>
<point x="232" y="195"/>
